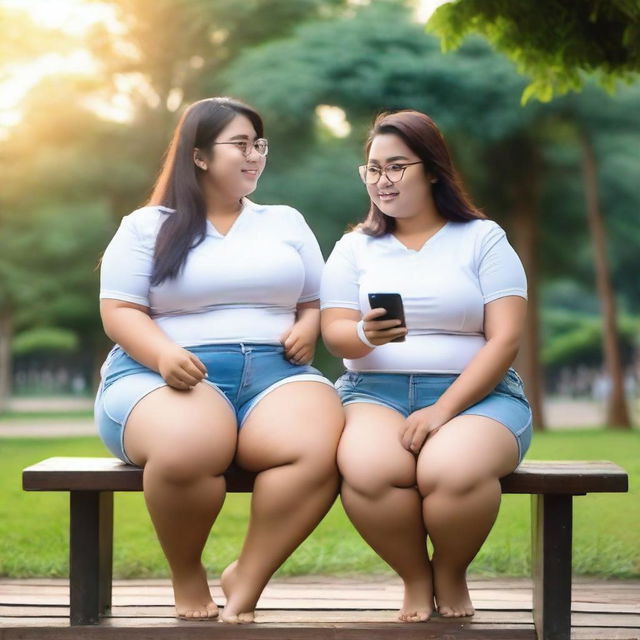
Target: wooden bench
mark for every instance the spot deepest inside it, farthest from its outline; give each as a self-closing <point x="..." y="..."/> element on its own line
<point x="552" y="485"/>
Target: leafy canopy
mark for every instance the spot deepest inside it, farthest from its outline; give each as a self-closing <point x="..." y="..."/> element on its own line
<point x="554" y="42"/>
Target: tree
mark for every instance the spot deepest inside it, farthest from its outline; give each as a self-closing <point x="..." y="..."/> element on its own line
<point x="555" y="43"/>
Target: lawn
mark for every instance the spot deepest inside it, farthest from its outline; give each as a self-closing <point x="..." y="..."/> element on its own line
<point x="34" y="526"/>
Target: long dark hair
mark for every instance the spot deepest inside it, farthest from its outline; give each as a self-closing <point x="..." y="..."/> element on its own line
<point x="177" y="186"/>
<point x="420" y="133"/>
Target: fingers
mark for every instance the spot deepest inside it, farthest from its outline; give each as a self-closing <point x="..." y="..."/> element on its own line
<point x="414" y="435"/>
<point x="199" y="364"/>
<point x="300" y="353"/>
<point x="374" y="313"/>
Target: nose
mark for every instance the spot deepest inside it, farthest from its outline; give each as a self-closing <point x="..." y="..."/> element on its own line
<point x="383" y="181"/>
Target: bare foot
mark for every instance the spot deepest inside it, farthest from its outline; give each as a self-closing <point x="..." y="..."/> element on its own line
<point x="418" y="601"/>
<point x="451" y="592"/>
<point x="234" y="612"/>
<point x="193" y="598"/>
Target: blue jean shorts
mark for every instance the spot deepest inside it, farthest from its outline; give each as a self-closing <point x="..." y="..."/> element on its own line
<point x="241" y="373"/>
<point x="406" y="393"/>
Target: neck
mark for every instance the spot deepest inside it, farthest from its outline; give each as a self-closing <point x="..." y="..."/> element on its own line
<point x="426" y="221"/>
<point x="224" y="209"/>
<point x="220" y="205"/>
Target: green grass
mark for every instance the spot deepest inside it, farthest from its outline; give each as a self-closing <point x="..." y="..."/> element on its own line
<point x="30" y="416"/>
<point x="34" y="526"/>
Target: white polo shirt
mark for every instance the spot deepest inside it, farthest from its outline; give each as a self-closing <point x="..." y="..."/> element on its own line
<point x="444" y="287"/>
<point x="242" y="287"/>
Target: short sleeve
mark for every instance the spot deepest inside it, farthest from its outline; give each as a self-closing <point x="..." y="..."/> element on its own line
<point x="127" y="265"/>
<point x="340" y="281"/>
<point x="500" y="271"/>
<point x="312" y="260"/>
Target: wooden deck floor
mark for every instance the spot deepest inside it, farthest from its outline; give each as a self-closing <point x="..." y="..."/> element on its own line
<point x="317" y="607"/>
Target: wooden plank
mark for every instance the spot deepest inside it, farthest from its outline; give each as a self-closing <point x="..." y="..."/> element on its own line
<point x="104" y="474"/>
<point x="566" y="477"/>
<point x="209" y="631"/>
<point x="109" y="474"/>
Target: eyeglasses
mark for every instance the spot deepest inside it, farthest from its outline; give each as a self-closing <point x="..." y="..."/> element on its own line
<point x="371" y="173"/>
<point x="261" y="145"/>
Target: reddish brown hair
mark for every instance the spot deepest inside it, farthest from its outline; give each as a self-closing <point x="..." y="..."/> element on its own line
<point x="420" y="133"/>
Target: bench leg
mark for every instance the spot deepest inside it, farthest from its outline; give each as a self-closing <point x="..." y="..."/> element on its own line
<point x="551" y="523"/>
<point x="90" y="558"/>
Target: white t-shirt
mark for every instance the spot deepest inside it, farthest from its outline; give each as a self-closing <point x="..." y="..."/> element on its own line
<point x="242" y="287"/>
<point x="444" y="287"/>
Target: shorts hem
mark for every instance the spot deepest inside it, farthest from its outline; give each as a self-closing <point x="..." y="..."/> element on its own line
<point x="515" y="434"/>
<point x="376" y="402"/>
<point x="159" y="385"/>
<point x="302" y="377"/>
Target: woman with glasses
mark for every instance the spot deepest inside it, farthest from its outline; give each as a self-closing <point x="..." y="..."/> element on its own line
<point x="213" y="303"/>
<point x="434" y="414"/>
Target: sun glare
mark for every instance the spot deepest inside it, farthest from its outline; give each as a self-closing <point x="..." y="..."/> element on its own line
<point x="74" y="17"/>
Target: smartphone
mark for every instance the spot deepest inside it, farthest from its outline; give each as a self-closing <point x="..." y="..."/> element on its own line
<point x="392" y="302"/>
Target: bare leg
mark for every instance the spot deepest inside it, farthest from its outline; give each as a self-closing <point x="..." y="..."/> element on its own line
<point x="185" y="441"/>
<point x="458" y="474"/>
<point x="290" y="438"/>
<point x="380" y="498"/>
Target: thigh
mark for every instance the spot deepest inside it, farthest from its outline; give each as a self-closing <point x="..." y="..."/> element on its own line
<point x="464" y="452"/>
<point x="195" y="430"/>
<point x="294" y="420"/>
<point x="371" y="455"/>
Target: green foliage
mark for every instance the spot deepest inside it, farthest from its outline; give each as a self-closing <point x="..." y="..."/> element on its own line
<point x="573" y="338"/>
<point x="552" y="41"/>
<point x="41" y="339"/>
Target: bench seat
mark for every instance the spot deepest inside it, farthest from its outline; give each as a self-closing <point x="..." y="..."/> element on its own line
<point x="552" y="485"/>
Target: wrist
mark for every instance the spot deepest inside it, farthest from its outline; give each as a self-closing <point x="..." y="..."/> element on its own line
<point x="443" y="410"/>
<point x="362" y="336"/>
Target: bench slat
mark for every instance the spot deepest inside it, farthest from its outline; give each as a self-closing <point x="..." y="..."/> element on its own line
<point x="109" y="474"/>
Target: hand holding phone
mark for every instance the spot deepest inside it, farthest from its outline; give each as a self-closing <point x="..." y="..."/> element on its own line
<point x="392" y="304"/>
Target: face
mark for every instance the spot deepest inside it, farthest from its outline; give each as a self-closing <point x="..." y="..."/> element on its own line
<point x="407" y="197"/>
<point x="229" y="172"/>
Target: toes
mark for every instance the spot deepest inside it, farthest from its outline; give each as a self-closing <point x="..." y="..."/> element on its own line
<point x="414" y="616"/>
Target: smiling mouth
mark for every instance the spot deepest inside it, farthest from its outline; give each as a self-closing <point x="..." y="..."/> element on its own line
<point x="387" y="195"/>
<point x="251" y="172"/>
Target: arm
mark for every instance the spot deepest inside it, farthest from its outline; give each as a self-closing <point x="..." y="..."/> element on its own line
<point x="130" y="326"/>
<point x="340" y="335"/>
<point x="504" y="320"/>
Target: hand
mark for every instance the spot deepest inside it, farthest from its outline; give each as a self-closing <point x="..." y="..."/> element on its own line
<point x="420" y="425"/>
<point x="380" y="332"/>
<point x="180" y="368"/>
<point x="300" y="342"/>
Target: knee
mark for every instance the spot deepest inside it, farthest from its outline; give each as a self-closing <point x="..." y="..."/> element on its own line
<point x="452" y="482"/>
<point x="181" y="468"/>
<point x="367" y="479"/>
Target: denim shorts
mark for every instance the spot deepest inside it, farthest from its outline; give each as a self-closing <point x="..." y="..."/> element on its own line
<point x="241" y="373"/>
<point x="407" y="393"/>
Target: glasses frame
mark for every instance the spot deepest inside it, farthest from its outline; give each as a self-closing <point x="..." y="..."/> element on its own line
<point x="250" y="147"/>
<point x="362" y="169"/>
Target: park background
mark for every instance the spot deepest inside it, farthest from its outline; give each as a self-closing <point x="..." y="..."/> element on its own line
<point x="90" y="92"/>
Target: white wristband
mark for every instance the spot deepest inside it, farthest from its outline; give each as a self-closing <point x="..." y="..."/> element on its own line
<point x="363" y="336"/>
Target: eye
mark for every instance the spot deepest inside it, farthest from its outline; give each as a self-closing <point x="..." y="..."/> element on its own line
<point x="242" y="145"/>
<point x="394" y="167"/>
<point x="373" y="170"/>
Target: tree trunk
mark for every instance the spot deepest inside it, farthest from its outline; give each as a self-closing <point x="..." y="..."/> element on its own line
<point x="524" y="223"/>
<point x="617" y="410"/>
<point x="6" y="327"/>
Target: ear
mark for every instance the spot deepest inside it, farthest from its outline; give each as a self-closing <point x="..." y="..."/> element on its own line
<point x="198" y="161"/>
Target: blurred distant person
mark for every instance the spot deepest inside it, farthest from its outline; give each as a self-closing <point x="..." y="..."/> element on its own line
<point x="435" y="416"/>
<point x="213" y="303"/>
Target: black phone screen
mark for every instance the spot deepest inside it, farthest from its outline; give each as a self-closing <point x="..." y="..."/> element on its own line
<point x="392" y="302"/>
